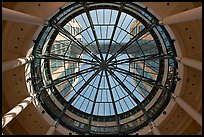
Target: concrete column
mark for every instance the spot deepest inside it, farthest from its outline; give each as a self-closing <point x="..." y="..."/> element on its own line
<point x="16" y="16"/>
<point x="190" y="62"/>
<point x="188" y="109"/>
<point x="185" y="16"/>
<point x="16" y="110"/>
<point x="15" y="63"/>
<point x="200" y="133"/>
<point x="8" y="131"/>
<point x="154" y="128"/>
<point x="52" y="129"/>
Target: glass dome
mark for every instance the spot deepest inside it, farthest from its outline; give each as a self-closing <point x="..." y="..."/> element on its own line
<point x="104" y="68"/>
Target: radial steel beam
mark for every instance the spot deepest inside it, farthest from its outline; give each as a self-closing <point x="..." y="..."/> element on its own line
<point x="83" y="87"/>
<point x="122" y="21"/>
<point x="71" y="59"/>
<point x="61" y="79"/>
<point x="114" y="30"/>
<point x="71" y="37"/>
<point x="129" y="60"/>
<point x="94" y="103"/>
<point x="129" y="93"/>
<point x="136" y="37"/>
<point x="93" y="29"/>
<point x="142" y="78"/>
<point x="114" y="106"/>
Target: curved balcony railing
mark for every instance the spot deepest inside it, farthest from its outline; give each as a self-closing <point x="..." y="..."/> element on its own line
<point x="165" y="80"/>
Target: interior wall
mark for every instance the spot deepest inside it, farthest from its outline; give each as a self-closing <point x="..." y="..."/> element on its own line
<point x="17" y="37"/>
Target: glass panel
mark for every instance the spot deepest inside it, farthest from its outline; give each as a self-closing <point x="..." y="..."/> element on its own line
<point x="101" y="66"/>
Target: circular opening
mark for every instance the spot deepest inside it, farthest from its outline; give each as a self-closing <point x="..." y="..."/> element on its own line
<point x="104" y="63"/>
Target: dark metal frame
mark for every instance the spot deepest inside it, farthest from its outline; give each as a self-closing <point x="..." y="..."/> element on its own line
<point x="54" y="28"/>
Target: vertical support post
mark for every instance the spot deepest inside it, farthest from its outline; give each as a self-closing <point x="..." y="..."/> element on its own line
<point x="15" y="63"/>
<point x="12" y="15"/>
<point x="188" y="109"/>
<point x="185" y="16"/>
<point x="190" y="62"/>
<point x="52" y="129"/>
<point x="16" y="110"/>
<point x="154" y="128"/>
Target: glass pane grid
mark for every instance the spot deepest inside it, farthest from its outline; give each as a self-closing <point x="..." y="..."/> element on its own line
<point x="106" y="62"/>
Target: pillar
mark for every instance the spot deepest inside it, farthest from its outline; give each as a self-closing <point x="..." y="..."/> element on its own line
<point x="16" y="110"/>
<point x="185" y="16"/>
<point x="154" y="128"/>
<point x="8" y="131"/>
<point x="51" y="130"/>
<point x="15" y="63"/>
<point x="200" y="133"/>
<point x="190" y="62"/>
<point x="188" y="109"/>
<point x="12" y="15"/>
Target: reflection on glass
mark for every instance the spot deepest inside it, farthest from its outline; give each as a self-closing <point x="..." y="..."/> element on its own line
<point x="106" y="65"/>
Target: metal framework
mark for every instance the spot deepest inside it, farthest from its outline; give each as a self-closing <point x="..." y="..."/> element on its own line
<point x="108" y="76"/>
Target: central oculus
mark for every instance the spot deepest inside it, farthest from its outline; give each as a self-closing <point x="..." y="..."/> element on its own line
<point x="104" y="66"/>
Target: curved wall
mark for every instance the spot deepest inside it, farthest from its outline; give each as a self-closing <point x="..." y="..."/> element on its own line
<point x="17" y="40"/>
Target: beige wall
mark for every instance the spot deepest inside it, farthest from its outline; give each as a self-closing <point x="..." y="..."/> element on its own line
<point x="17" y="39"/>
